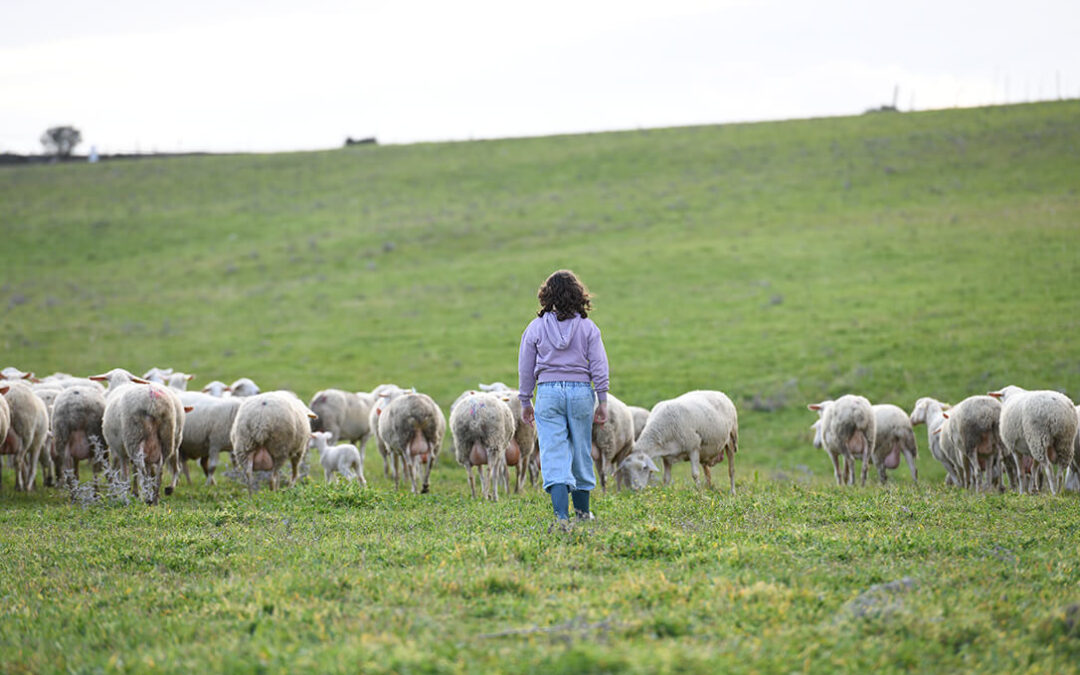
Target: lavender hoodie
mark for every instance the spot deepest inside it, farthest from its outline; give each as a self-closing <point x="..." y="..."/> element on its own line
<point x="561" y="351"/>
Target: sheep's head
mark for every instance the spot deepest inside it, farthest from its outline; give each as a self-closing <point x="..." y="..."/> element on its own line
<point x="1004" y="393"/>
<point x="819" y="438"/>
<point x="635" y="470"/>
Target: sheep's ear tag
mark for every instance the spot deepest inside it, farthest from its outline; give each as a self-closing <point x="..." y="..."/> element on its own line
<point x="188" y="408"/>
<point x="945" y="415"/>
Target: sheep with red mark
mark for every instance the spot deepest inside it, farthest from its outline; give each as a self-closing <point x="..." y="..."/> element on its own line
<point x="382" y="395"/>
<point x="483" y="429"/>
<point x="142" y="427"/>
<point x="412" y="426"/>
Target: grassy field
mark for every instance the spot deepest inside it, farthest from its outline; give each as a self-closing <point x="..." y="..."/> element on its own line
<point x="892" y="255"/>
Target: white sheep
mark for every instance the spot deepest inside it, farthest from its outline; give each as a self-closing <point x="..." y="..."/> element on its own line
<point x="343" y="458"/>
<point x="1072" y="480"/>
<point x="971" y="437"/>
<point x="523" y="448"/>
<point x="931" y="412"/>
<point x="701" y="426"/>
<point x="47" y="459"/>
<point x="640" y="416"/>
<point x="613" y="440"/>
<point x="635" y="471"/>
<point x="5" y="425"/>
<point x="76" y="427"/>
<point x="217" y="389"/>
<point x="159" y="375"/>
<point x="269" y="430"/>
<point x="848" y="431"/>
<point x="494" y="387"/>
<point x="244" y="387"/>
<point x="483" y="428"/>
<point x="382" y="396"/>
<point x="893" y="437"/>
<point x="1041" y="424"/>
<point x="207" y="431"/>
<point x="412" y="426"/>
<point x="347" y="416"/>
<point x="27" y="433"/>
<point x="179" y="381"/>
<point x="141" y="426"/>
<point x="117" y="378"/>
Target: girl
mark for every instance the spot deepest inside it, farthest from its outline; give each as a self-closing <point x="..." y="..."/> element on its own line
<point x="563" y="356"/>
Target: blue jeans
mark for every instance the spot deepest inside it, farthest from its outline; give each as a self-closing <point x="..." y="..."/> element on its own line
<point x="564" y="413"/>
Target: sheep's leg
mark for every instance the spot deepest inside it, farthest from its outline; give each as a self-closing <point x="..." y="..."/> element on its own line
<point x="598" y="462"/>
<point x="184" y="470"/>
<point x="427" y="474"/>
<point x="249" y="472"/>
<point x="731" y="467"/>
<point x="708" y="474"/>
<point x="1048" y="471"/>
<point x="910" y="459"/>
<point x="695" y="464"/>
<point x="667" y="471"/>
<point x="295" y="461"/>
<point x="472" y="481"/>
<point x="209" y="466"/>
<point x="836" y="468"/>
<point x="880" y="466"/>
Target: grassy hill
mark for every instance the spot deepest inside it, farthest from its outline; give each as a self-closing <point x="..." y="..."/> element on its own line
<point x="892" y="255"/>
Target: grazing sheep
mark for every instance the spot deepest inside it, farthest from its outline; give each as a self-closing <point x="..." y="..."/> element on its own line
<point x="971" y="436"/>
<point x="613" y="440"/>
<point x="244" y="387"/>
<point x="207" y="431"/>
<point x="412" y="426"/>
<point x="178" y="381"/>
<point x="893" y="436"/>
<point x="641" y="416"/>
<point x="701" y="426"/>
<point x="383" y="395"/>
<point x="347" y="416"/>
<point x="77" y="428"/>
<point x="344" y="459"/>
<point x="1040" y="424"/>
<point x="27" y="432"/>
<point x="931" y="412"/>
<point x="523" y="448"/>
<point x="141" y="426"/>
<point x="483" y="428"/>
<point x="269" y="429"/>
<point x="848" y="430"/>
<point x="635" y="471"/>
<point x="217" y="389"/>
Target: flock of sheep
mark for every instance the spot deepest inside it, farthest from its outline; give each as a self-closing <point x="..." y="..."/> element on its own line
<point x="140" y="425"/>
<point x="1029" y="436"/>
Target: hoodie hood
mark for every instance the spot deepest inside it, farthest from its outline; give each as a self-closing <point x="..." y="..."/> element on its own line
<point x="559" y="334"/>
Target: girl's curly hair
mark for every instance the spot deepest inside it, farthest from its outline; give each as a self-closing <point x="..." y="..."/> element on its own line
<point x="564" y="294"/>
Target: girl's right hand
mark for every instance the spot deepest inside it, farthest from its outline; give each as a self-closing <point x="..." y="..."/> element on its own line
<point x="527" y="414"/>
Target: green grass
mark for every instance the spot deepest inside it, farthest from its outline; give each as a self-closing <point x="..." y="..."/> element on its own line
<point x="891" y="255"/>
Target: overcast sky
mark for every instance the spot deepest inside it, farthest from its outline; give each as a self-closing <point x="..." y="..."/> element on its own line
<point x="270" y="75"/>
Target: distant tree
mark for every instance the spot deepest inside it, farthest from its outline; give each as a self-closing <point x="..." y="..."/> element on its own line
<point x="60" y="141"/>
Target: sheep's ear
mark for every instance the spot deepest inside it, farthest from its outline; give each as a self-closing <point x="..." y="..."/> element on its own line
<point x="4" y="389"/>
<point x="190" y="378"/>
<point x="312" y="415"/>
<point x="188" y="408"/>
<point x="99" y="378"/>
<point x="651" y="465"/>
<point x="995" y="394"/>
<point x="937" y="431"/>
<point x="813" y="406"/>
<point x="27" y="376"/>
<point x="139" y="380"/>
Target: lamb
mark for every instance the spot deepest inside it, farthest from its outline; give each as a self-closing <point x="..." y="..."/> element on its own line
<point x="971" y="435"/>
<point x="412" y="426"/>
<point x="641" y="416"/>
<point x="613" y="440"/>
<point x="383" y="395"/>
<point x="178" y="381"/>
<point x="77" y="429"/>
<point x="207" y="431"/>
<point x="1040" y="424"/>
<point x="217" y="389"/>
<point x="345" y="459"/>
<point x="244" y="387"/>
<point x="701" y="426"/>
<point x="931" y="412"/>
<point x="523" y="447"/>
<point x="483" y="428"/>
<point x="893" y="436"/>
<point x="848" y="430"/>
<point x="347" y="416"/>
<point x="141" y="426"/>
<point x="269" y="429"/>
<point x="27" y="431"/>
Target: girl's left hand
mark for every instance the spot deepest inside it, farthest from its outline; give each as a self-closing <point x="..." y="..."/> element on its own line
<point x="600" y="416"/>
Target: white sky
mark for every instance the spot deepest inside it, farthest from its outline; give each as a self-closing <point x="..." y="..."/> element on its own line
<point x="269" y="75"/>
